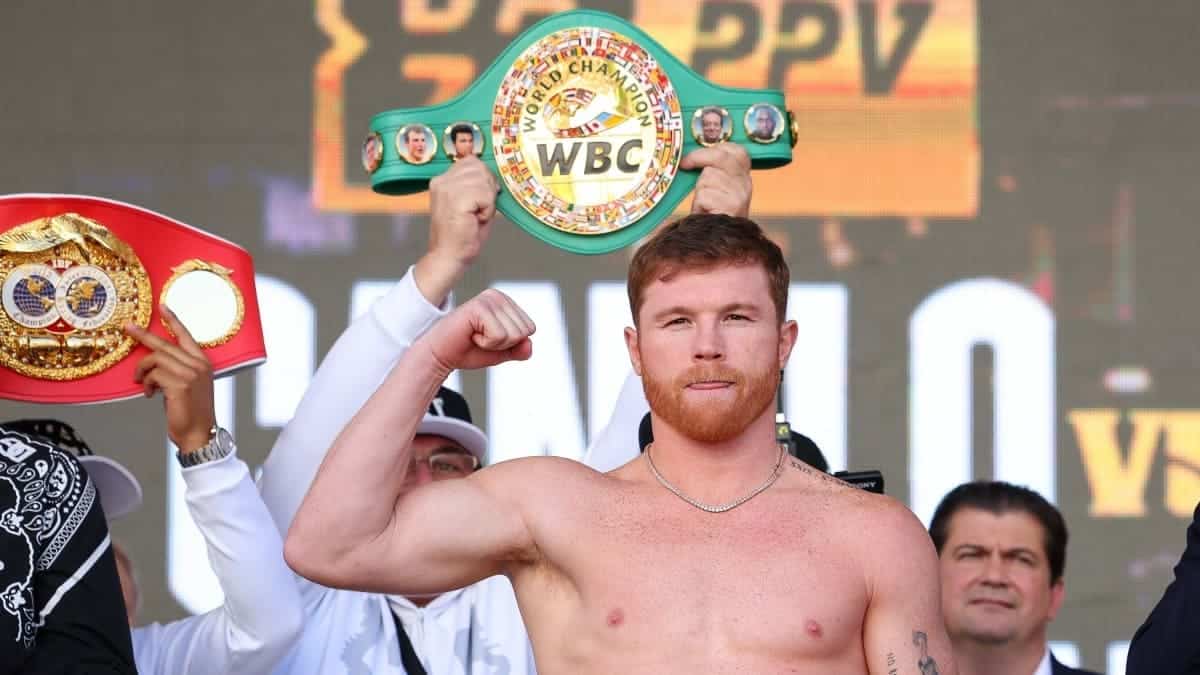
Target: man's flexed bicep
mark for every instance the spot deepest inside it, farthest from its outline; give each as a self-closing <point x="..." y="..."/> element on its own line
<point x="442" y="536"/>
<point x="351" y="508"/>
<point x="903" y="632"/>
<point x="449" y="534"/>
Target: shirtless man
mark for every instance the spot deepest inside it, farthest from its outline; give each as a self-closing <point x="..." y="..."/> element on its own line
<point x="792" y="572"/>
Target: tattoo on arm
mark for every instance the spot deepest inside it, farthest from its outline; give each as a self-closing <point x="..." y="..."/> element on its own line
<point x="891" y="664"/>
<point x="926" y="663"/>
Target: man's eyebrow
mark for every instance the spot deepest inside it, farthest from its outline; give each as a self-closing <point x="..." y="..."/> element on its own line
<point x="731" y="307"/>
<point x="1018" y="550"/>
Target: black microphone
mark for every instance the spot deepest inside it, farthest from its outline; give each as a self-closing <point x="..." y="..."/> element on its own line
<point x="783" y="430"/>
<point x="871" y="480"/>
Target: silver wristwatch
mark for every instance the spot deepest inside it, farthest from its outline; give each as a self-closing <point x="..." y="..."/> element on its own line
<point x="220" y="443"/>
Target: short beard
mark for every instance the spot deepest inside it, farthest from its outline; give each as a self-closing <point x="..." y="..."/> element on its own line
<point x="714" y="423"/>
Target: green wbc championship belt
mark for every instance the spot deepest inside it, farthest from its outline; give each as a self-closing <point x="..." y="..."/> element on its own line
<point x="585" y="118"/>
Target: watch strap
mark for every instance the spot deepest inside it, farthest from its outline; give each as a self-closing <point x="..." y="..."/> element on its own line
<point x="220" y="445"/>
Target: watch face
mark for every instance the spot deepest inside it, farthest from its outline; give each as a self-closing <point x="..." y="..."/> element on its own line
<point x="223" y="441"/>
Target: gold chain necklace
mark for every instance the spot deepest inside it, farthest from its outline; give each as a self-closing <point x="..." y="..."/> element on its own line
<point x="719" y="508"/>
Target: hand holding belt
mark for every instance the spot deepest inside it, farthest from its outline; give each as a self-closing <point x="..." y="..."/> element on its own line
<point x="585" y="118"/>
<point x="74" y="270"/>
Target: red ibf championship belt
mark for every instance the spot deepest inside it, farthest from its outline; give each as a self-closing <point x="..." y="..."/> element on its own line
<point x="74" y="270"/>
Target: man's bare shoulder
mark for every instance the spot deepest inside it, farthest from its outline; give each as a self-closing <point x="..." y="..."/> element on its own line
<point x="820" y="483"/>
<point x="540" y="468"/>
<point x="888" y="539"/>
<point x="881" y="518"/>
<point x="892" y="525"/>
<point x="541" y="478"/>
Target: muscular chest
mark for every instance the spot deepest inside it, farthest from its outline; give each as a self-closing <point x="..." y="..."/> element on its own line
<point x="761" y="577"/>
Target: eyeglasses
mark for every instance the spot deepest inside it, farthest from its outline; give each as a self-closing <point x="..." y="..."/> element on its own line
<point x="444" y="465"/>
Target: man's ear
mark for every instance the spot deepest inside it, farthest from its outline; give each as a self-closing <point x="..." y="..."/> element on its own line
<point x="1058" y="592"/>
<point x="635" y="354"/>
<point x="787" y="339"/>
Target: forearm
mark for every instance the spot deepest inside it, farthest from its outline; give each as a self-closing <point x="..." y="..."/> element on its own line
<point x="352" y="500"/>
<point x="261" y="616"/>
<point x="436" y="275"/>
<point x="348" y="375"/>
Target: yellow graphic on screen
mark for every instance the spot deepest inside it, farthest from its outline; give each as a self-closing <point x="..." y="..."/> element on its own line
<point x="883" y="93"/>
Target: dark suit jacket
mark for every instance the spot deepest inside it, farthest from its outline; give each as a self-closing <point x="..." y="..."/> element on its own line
<point x="1169" y="642"/>
<point x="1059" y="669"/>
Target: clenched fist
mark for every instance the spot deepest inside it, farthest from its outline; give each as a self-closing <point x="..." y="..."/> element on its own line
<point x="724" y="183"/>
<point x="462" y="203"/>
<point x="487" y="330"/>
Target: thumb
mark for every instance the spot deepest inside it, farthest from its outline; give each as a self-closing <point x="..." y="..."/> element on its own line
<point x="520" y="351"/>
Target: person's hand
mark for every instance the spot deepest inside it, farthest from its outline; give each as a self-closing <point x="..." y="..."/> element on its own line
<point x="462" y="203"/>
<point x="487" y="330"/>
<point x="724" y="183"/>
<point x="183" y="373"/>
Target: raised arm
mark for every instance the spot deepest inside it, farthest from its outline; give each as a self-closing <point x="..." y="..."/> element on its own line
<point x="261" y="616"/>
<point x="903" y="632"/>
<point x="372" y="344"/>
<point x="359" y="527"/>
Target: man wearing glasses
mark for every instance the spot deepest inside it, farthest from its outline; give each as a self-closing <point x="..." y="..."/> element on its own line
<point x="475" y="630"/>
<point x="447" y="445"/>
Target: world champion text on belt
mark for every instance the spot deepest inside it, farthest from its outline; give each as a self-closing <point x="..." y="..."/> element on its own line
<point x="586" y="118"/>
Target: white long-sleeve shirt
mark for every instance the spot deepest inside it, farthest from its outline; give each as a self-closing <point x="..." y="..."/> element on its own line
<point x="261" y="617"/>
<point x="473" y="631"/>
<point x="617" y="442"/>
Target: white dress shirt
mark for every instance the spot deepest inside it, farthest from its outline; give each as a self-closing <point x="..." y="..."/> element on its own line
<point x="261" y="617"/>
<point x="1044" y="667"/>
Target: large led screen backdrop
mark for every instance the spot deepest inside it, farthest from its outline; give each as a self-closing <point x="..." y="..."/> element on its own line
<point x="990" y="221"/>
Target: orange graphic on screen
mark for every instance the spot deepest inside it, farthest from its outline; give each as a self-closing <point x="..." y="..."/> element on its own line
<point x="884" y="96"/>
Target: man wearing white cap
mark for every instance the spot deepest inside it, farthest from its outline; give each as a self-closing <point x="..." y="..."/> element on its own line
<point x="475" y="630"/>
<point x="261" y="615"/>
